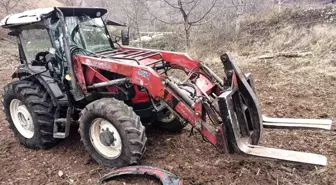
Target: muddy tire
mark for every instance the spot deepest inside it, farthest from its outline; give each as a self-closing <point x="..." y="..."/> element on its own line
<point x="174" y="126"/>
<point x="112" y="133"/>
<point x="29" y="113"/>
<point x="170" y="124"/>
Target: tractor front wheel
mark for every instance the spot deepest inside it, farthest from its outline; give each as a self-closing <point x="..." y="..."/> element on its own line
<point x="112" y="133"/>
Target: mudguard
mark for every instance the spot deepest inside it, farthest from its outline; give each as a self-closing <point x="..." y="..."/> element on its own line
<point x="166" y="178"/>
<point x="47" y="82"/>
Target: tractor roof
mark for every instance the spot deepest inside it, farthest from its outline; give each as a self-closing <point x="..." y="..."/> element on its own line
<point x="33" y="16"/>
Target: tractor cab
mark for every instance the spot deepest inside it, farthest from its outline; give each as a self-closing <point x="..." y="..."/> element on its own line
<point x="41" y="29"/>
<point x="49" y="37"/>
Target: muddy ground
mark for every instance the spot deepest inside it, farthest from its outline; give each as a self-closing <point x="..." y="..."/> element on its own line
<point x="282" y="93"/>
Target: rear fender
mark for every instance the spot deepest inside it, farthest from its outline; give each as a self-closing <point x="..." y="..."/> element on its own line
<point x="166" y="178"/>
<point x="48" y="83"/>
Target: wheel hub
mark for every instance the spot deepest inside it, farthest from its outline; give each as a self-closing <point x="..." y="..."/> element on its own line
<point x="24" y="118"/>
<point x="168" y="117"/>
<point x="106" y="138"/>
<point x="21" y="118"/>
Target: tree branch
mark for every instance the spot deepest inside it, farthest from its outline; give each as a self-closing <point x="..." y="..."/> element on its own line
<point x="171" y="5"/>
<point x="201" y="23"/>
<point x="205" y="14"/>
<point x="194" y="6"/>
<point x="163" y="21"/>
<point x="184" y="14"/>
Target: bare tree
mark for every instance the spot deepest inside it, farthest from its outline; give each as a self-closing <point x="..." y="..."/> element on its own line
<point x="280" y="2"/>
<point x="78" y="3"/>
<point x="192" y="13"/>
<point x="135" y="12"/>
<point x="8" y="5"/>
<point x="239" y="7"/>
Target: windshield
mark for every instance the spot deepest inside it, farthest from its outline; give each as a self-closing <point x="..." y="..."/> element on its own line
<point x="88" y="33"/>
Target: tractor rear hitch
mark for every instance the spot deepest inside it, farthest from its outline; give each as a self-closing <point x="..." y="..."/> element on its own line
<point x="243" y="121"/>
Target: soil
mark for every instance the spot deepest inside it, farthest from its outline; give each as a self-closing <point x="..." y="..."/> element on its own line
<point x="282" y="92"/>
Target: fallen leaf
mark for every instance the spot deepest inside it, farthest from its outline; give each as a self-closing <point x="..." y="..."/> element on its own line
<point x="60" y="173"/>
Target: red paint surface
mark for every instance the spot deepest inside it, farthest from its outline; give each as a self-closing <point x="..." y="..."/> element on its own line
<point x="88" y="72"/>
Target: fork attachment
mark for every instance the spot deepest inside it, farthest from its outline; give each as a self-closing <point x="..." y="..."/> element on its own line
<point x="242" y="118"/>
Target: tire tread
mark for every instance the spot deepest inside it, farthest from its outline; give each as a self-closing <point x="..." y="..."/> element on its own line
<point x="129" y="122"/>
<point x="37" y="100"/>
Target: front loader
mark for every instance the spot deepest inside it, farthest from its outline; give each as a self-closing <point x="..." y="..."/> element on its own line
<point x="112" y="91"/>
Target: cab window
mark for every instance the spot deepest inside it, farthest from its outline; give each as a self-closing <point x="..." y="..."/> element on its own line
<point x="35" y="41"/>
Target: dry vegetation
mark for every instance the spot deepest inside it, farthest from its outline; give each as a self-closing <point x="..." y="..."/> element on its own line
<point x="287" y="87"/>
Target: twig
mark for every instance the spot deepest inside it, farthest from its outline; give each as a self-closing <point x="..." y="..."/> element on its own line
<point x="258" y="171"/>
<point x="285" y="54"/>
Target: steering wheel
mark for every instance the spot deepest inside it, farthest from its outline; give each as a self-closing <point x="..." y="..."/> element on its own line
<point x="41" y="54"/>
<point x="73" y="33"/>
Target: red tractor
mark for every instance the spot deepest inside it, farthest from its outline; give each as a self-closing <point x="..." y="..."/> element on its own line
<point x="71" y="71"/>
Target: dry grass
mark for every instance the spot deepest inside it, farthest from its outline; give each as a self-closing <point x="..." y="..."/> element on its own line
<point x="284" y="33"/>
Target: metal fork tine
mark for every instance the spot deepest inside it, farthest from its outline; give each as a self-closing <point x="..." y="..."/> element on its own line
<point x="286" y="155"/>
<point x="296" y="123"/>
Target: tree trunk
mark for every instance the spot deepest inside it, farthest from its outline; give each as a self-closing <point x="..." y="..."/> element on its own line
<point x="139" y="35"/>
<point x="187" y="37"/>
<point x="237" y="26"/>
<point x="7" y="10"/>
<point x="187" y="26"/>
<point x="279" y="5"/>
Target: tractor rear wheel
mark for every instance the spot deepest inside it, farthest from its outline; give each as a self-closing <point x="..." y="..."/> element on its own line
<point x="170" y="123"/>
<point x="112" y="133"/>
<point x="29" y="113"/>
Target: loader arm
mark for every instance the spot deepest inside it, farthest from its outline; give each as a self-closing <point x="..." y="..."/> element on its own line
<point x="225" y="111"/>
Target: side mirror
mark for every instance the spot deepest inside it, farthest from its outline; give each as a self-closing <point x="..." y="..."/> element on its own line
<point x="125" y="37"/>
<point x="51" y="61"/>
